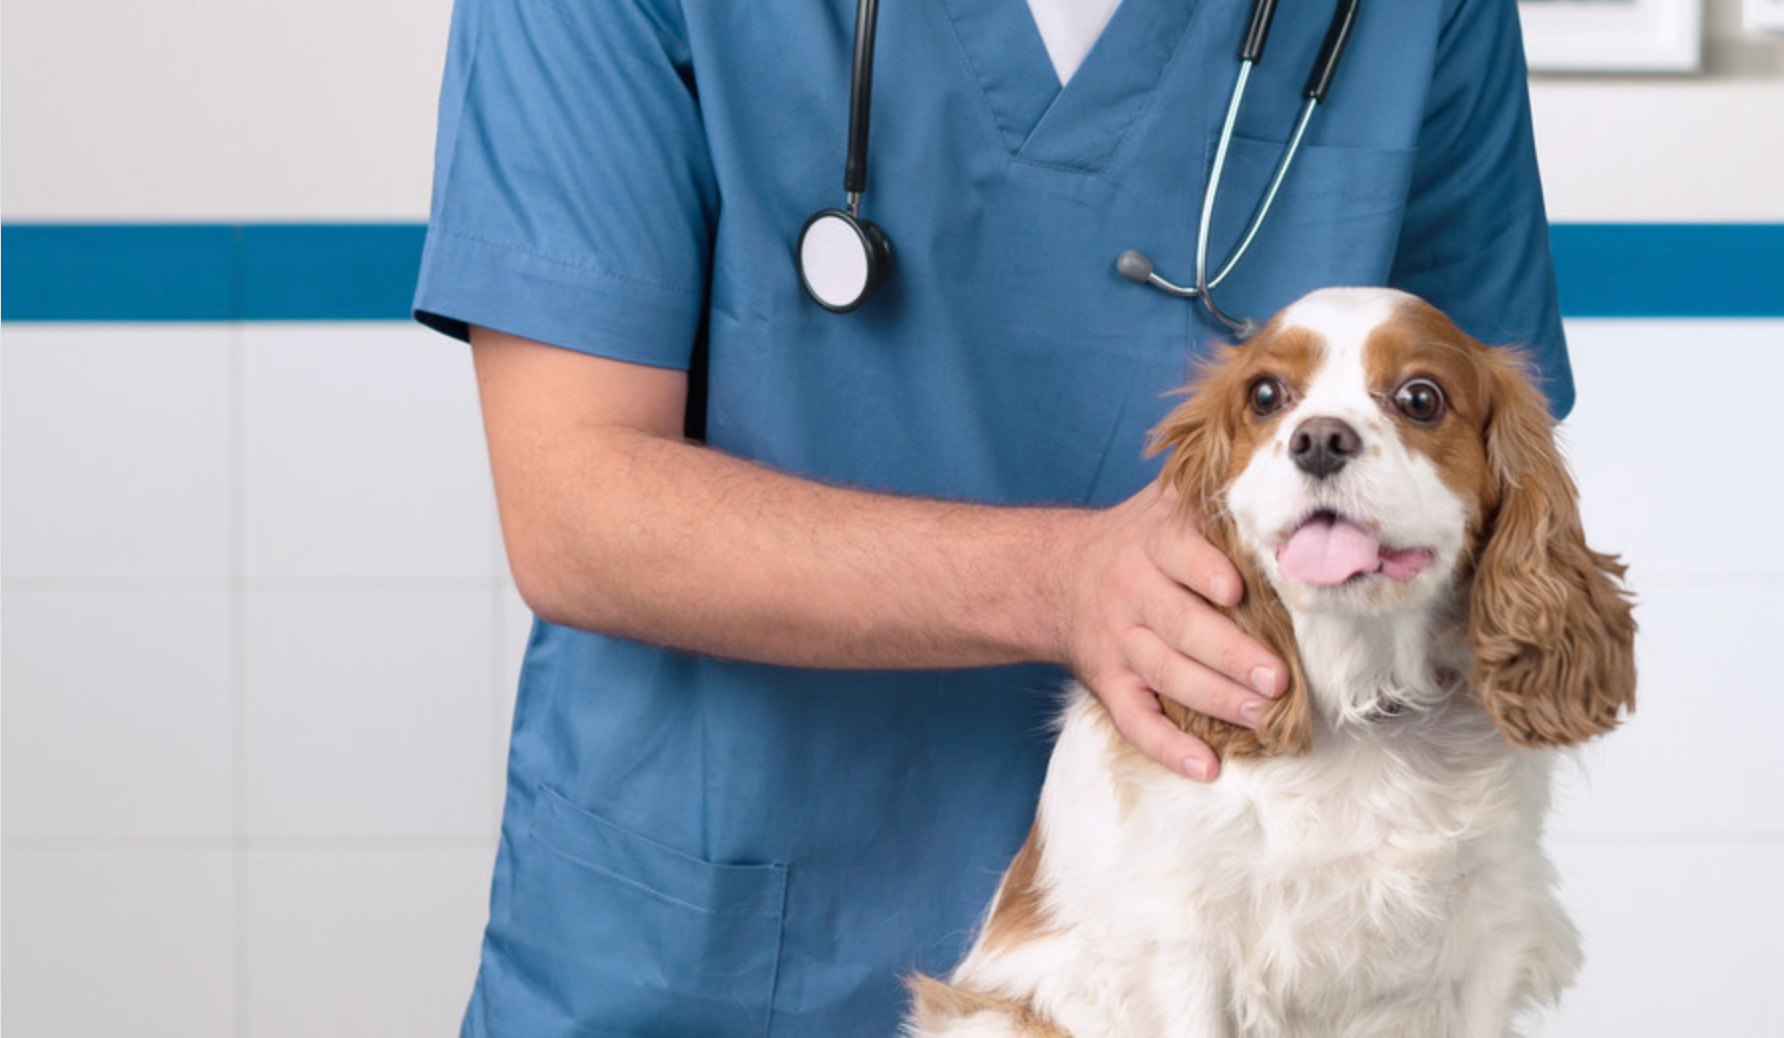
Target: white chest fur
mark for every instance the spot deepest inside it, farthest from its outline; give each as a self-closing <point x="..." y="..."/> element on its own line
<point x="1391" y="883"/>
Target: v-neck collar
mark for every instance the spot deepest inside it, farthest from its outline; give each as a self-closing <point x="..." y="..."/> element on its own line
<point x="1080" y="125"/>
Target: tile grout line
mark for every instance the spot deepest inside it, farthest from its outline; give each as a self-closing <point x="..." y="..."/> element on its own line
<point x="230" y="584"/>
<point x="326" y="843"/>
<point x="499" y="673"/>
<point x="498" y="650"/>
<point x="238" y="606"/>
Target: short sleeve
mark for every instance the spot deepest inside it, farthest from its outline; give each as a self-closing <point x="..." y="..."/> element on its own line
<point x="573" y="195"/>
<point x="1475" y="241"/>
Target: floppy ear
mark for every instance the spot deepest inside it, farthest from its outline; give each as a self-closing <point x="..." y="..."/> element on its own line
<point x="1199" y="436"/>
<point x="1550" y="622"/>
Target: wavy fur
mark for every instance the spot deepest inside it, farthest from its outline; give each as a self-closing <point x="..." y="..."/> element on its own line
<point x="1551" y="626"/>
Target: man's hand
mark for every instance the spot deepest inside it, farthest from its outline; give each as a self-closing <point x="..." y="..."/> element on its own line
<point x="1140" y="624"/>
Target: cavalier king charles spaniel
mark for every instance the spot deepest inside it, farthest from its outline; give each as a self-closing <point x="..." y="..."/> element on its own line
<point x="1369" y="862"/>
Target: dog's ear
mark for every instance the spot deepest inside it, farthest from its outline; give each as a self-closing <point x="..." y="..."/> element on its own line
<point x="1199" y="436"/>
<point x="1549" y="619"/>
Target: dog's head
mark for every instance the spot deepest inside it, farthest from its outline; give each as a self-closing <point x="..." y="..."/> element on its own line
<point x="1362" y="455"/>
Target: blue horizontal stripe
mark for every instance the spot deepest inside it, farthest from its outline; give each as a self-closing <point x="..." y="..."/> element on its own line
<point x="307" y="272"/>
<point x="1670" y="270"/>
<point x="208" y="272"/>
<point x="366" y="272"/>
<point x="51" y="272"/>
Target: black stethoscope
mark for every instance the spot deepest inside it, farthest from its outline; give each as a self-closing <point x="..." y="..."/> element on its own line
<point x="842" y="258"/>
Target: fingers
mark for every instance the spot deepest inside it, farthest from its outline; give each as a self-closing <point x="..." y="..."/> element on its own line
<point x="1164" y="670"/>
<point x="1178" y="549"/>
<point x="1200" y="634"/>
<point x="1184" y="555"/>
<point x="1137" y="716"/>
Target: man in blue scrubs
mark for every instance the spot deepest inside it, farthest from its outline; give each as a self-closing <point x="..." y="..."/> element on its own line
<point x="794" y="760"/>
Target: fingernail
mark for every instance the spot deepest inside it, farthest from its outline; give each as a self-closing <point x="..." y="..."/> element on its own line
<point x="1264" y="680"/>
<point x="1250" y="711"/>
<point x="1223" y="591"/>
<point x="1198" y="769"/>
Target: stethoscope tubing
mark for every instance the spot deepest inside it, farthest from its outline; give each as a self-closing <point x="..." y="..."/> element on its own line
<point x="1331" y="49"/>
<point x="854" y="172"/>
<point x="1215" y="175"/>
<point x="1269" y="198"/>
<point x="871" y="251"/>
<point x="1319" y="81"/>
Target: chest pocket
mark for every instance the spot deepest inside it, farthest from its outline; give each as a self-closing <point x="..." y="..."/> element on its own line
<point x="630" y="937"/>
<point x="1336" y="221"/>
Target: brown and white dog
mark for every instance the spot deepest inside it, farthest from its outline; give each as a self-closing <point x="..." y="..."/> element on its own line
<point x="1369" y="861"/>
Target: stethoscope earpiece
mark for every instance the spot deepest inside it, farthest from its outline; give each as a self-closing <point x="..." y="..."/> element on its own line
<point x="842" y="259"/>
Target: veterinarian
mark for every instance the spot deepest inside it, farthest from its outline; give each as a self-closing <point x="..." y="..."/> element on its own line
<point x="785" y="710"/>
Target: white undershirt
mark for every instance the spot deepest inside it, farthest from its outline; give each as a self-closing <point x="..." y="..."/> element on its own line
<point x="1069" y="28"/>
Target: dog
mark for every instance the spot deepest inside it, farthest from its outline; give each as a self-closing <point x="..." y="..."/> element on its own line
<point x="1369" y="862"/>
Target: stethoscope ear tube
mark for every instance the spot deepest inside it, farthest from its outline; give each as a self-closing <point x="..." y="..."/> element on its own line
<point x="1326" y="65"/>
<point x="1257" y="30"/>
<point x="854" y="173"/>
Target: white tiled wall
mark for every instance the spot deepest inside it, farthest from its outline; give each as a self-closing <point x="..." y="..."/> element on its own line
<point x="259" y="655"/>
<point x="354" y="463"/>
<point x="118" y="460"/>
<point x="1682" y="937"/>
<point x="1670" y="833"/>
<point x="120" y="712"/>
<point x="374" y="941"/>
<point x="120" y="938"/>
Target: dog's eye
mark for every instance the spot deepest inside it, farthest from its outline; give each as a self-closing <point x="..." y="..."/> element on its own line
<point x="1420" y="400"/>
<point x="1267" y="397"/>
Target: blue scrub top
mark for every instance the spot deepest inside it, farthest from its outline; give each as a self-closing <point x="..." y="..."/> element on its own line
<point x="698" y="847"/>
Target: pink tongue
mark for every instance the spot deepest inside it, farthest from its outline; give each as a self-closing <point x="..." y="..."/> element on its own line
<point x="1327" y="551"/>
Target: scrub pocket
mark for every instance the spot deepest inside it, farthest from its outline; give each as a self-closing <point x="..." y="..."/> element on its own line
<point x="629" y="937"/>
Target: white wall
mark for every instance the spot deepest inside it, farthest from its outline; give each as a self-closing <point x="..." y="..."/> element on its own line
<point x="1671" y="836"/>
<point x="260" y="645"/>
<point x="259" y="649"/>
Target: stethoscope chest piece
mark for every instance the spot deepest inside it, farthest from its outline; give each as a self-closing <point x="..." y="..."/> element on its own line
<point x="842" y="259"/>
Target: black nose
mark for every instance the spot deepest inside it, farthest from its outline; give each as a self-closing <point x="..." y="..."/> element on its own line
<point x="1321" y="446"/>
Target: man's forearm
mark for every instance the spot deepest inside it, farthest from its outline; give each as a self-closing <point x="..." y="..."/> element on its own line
<point x="672" y="543"/>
